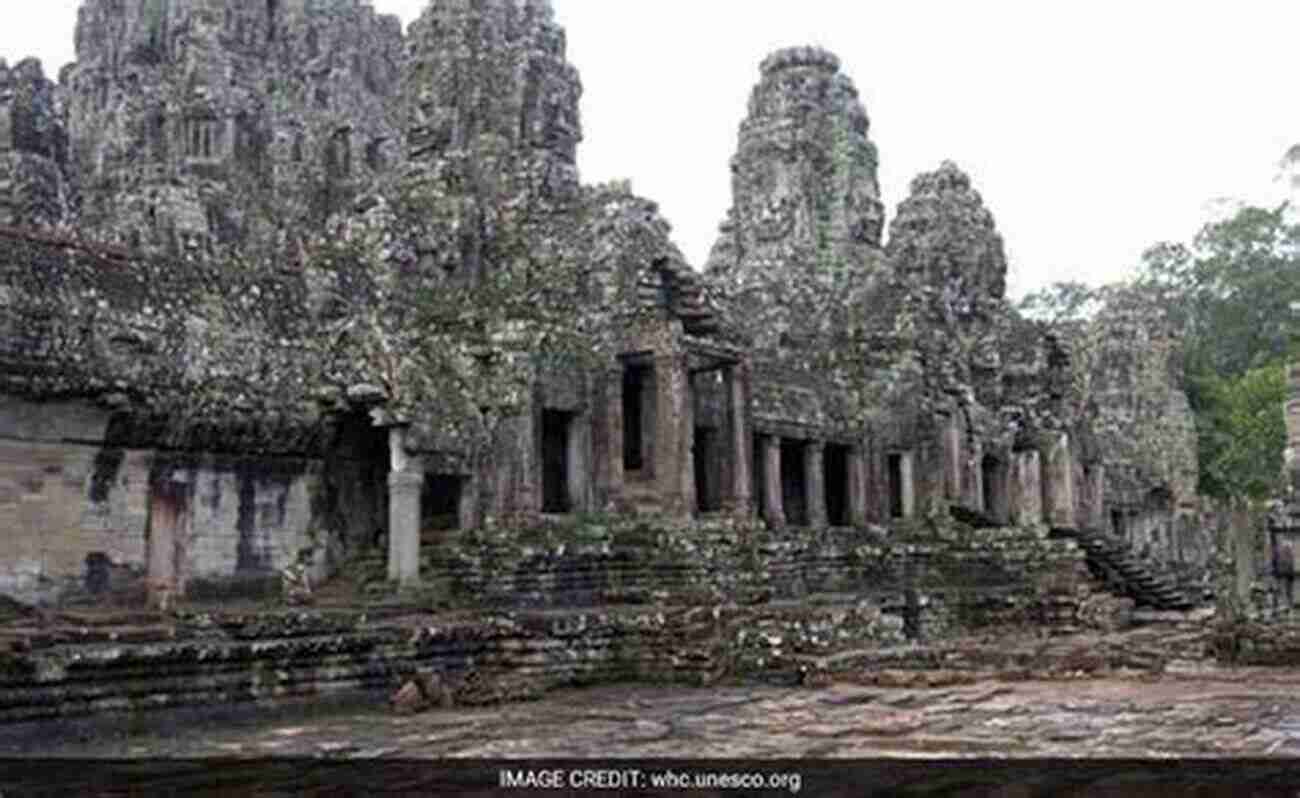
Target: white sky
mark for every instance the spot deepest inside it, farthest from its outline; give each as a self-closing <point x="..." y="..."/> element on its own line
<point x="1092" y="129"/>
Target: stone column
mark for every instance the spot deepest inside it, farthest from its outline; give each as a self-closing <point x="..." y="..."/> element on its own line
<point x="578" y="457"/>
<point x="1026" y="489"/>
<point x="405" y="483"/>
<point x="907" y="484"/>
<point x="674" y="430"/>
<point x="168" y="514"/>
<point x="467" y="509"/>
<point x="738" y="490"/>
<point x="814" y="481"/>
<point x="857" y="487"/>
<point x="998" y="491"/>
<point x="1058" y="482"/>
<point x="972" y="482"/>
<point x="952" y="459"/>
<point x="608" y="444"/>
<point x="1094" y="497"/>
<point x="773" y="500"/>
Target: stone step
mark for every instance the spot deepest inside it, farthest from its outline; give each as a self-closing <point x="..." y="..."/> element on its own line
<point x="1134" y="576"/>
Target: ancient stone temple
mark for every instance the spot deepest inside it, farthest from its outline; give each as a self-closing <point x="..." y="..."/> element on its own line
<point x="180" y="419"/>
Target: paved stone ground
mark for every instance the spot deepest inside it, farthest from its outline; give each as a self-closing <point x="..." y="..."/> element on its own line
<point x="1234" y="713"/>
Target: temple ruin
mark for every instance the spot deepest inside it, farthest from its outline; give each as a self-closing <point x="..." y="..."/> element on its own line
<point x="155" y="450"/>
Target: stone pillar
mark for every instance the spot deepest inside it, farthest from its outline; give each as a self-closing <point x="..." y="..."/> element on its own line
<point x="972" y="480"/>
<point x="1026" y="489"/>
<point x="814" y="482"/>
<point x="996" y="487"/>
<point x="467" y="509"/>
<point x="907" y="483"/>
<point x="649" y="419"/>
<point x="857" y="487"/>
<point x="168" y="517"/>
<point x="952" y="459"/>
<point x="773" y="500"/>
<point x="1058" y="482"/>
<point x="404" y="526"/>
<point x="1094" y="497"/>
<point x="578" y="459"/>
<point x="738" y="488"/>
<point x="674" y="433"/>
<point x="608" y="444"/>
<point x="405" y="483"/>
<point x="521" y="482"/>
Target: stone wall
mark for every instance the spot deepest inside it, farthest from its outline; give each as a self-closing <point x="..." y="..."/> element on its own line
<point x="694" y="605"/>
<point x="85" y="524"/>
<point x="993" y="575"/>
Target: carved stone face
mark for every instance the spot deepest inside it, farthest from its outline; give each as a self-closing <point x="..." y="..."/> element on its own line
<point x="772" y="195"/>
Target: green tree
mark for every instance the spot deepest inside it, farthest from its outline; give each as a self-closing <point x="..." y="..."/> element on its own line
<point x="1229" y="294"/>
<point x="1241" y="433"/>
<point x="1063" y="301"/>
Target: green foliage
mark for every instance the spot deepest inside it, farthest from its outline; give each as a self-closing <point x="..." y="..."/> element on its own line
<point x="1242" y="432"/>
<point x="1063" y="302"/>
<point x="1229" y="294"/>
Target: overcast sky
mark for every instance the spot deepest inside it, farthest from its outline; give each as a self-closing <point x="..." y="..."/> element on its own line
<point x="1092" y="129"/>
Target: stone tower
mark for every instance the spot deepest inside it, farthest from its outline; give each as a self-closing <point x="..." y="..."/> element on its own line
<point x="945" y="250"/>
<point x="491" y="69"/>
<point x="804" y="187"/>
<point x="492" y="128"/>
<point x="33" y="148"/>
<point x="186" y="117"/>
<point x="944" y="236"/>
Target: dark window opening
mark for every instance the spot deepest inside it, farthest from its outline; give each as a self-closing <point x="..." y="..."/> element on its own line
<point x="159" y="137"/>
<point x="338" y="157"/>
<point x="357" y="481"/>
<point x="375" y="155"/>
<point x="894" y="467"/>
<point x="634" y="381"/>
<point x="99" y="569"/>
<point x="835" y="471"/>
<point x="794" y="489"/>
<point x="1117" y="522"/>
<point x="705" y="454"/>
<point x="991" y="474"/>
<point x="440" y="502"/>
<point x="555" y="461"/>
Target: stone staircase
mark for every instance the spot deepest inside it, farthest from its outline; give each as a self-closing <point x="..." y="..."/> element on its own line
<point x="1125" y="573"/>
